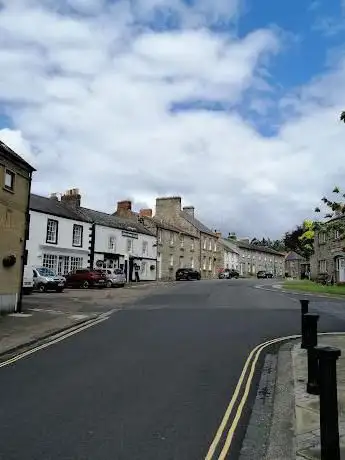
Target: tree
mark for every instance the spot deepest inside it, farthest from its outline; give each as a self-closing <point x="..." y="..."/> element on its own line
<point x="342" y="117"/>
<point x="291" y="239"/>
<point x="307" y="239"/>
<point x="332" y="210"/>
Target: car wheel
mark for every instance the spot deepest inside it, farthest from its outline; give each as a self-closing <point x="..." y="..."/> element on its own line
<point x="41" y="288"/>
<point x="85" y="284"/>
<point x="198" y="277"/>
<point x="108" y="284"/>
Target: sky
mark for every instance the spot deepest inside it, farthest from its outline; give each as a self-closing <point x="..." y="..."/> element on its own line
<point x="231" y="104"/>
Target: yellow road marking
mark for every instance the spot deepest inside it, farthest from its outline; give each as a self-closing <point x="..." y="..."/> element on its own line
<point x="256" y="351"/>
<point x="52" y="342"/>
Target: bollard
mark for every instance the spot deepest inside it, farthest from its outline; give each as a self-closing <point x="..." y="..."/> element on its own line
<point x="329" y="425"/>
<point x="304" y="309"/>
<point x="310" y="342"/>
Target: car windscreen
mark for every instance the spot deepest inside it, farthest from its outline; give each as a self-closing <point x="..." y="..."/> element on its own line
<point x="45" y="271"/>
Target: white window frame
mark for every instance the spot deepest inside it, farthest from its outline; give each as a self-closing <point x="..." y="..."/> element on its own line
<point x="171" y="261"/>
<point x="9" y="180"/>
<point x="171" y="238"/>
<point x="215" y="246"/>
<point x="76" y="263"/>
<point x="112" y="243"/>
<point x="77" y="238"/>
<point x="129" y="245"/>
<point x="52" y="236"/>
<point x="210" y="263"/>
<point x="210" y="244"/>
<point x="205" y="243"/>
<point x="204" y="263"/>
<point x="145" y="248"/>
<point x="50" y="261"/>
<point x="181" y="241"/>
<point x="192" y="244"/>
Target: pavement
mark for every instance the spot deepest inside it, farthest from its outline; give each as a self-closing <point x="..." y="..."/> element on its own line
<point x="161" y="378"/>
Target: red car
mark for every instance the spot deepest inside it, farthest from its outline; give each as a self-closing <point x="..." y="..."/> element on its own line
<point x="85" y="278"/>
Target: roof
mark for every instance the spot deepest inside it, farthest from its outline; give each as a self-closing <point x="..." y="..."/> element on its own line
<point x="108" y="220"/>
<point x="55" y="208"/>
<point x="292" y="255"/>
<point x="254" y="247"/>
<point x="167" y="226"/>
<point x="196" y="223"/>
<point x="229" y="245"/>
<point x="5" y="149"/>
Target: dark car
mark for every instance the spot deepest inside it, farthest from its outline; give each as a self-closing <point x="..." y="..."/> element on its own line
<point x="85" y="278"/>
<point x="263" y="274"/>
<point x="187" y="274"/>
<point x="228" y="274"/>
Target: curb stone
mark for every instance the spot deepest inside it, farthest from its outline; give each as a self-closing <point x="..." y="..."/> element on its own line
<point x="26" y="346"/>
<point x="304" y="293"/>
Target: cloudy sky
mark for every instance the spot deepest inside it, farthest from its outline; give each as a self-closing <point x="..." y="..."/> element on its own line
<point x="231" y="104"/>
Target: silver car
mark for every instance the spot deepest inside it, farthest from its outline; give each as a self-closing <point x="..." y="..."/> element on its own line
<point x="46" y="280"/>
<point x="115" y="277"/>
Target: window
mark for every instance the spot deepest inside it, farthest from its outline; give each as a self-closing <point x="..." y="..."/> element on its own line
<point x="129" y="245"/>
<point x="145" y="248"/>
<point x="9" y="180"/>
<point x="50" y="262"/>
<point x="204" y="263"/>
<point x="77" y="236"/>
<point x="171" y="260"/>
<point x="52" y="231"/>
<point x="76" y="263"/>
<point x="205" y="243"/>
<point x="215" y="246"/>
<point x="336" y="234"/>
<point x="192" y="262"/>
<point x="159" y="235"/>
<point x="143" y="268"/>
<point x="171" y="239"/>
<point x="112" y="243"/>
<point x="181" y="241"/>
<point x="322" y="266"/>
<point x="322" y="237"/>
<point x="181" y="262"/>
<point x="210" y="244"/>
<point x="210" y="263"/>
<point x="192" y="244"/>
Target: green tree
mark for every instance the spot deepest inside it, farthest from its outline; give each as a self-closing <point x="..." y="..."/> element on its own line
<point x="307" y="239"/>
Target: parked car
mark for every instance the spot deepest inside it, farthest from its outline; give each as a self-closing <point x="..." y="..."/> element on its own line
<point x="115" y="277"/>
<point x="228" y="274"/>
<point x="264" y="274"/>
<point x="45" y="279"/>
<point x="28" y="280"/>
<point x="187" y="274"/>
<point x="85" y="278"/>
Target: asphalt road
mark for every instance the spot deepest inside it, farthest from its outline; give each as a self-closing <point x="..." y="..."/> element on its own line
<point x="151" y="382"/>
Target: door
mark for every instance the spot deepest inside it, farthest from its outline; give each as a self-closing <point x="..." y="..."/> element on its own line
<point x="341" y="268"/>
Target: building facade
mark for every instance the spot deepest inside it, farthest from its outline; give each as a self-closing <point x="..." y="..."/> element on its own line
<point x="329" y="255"/>
<point x="209" y="257"/>
<point x="296" y="266"/>
<point x="176" y="247"/>
<point x="231" y="255"/>
<point x="255" y="258"/>
<point x="15" y="184"/>
<point x="59" y="236"/>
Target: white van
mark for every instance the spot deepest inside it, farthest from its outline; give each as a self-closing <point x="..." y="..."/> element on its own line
<point x="28" y="280"/>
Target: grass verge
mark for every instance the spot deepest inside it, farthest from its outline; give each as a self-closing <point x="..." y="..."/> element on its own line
<point x="310" y="286"/>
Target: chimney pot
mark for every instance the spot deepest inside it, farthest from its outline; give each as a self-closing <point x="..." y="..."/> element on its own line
<point x="72" y="198"/>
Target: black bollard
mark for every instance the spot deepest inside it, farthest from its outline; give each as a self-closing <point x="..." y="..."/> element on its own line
<point x="304" y="309"/>
<point x="310" y="342"/>
<point x="329" y="425"/>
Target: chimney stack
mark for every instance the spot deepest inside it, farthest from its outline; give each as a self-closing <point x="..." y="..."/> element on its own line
<point x="189" y="210"/>
<point x="168" y="208"/>
<point x="54" y="196"/>
<point x="72" y="198"/>
<point x="145" y="213"/>
<point x="124" y="209"/>
<point x="218" y="234"/>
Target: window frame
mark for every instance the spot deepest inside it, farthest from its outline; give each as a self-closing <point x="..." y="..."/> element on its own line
<point x="75" y="226"/>
<point x="322" y="262"/>
<point x="145" y="248"/>
<point x="12" y="174"/>
<point x="129" y="245"/>
<point x="112" y="238"/>
<point x="322" y="238"/>
<point x="56" y="233"/>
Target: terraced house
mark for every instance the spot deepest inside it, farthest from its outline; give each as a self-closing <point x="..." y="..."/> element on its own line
<point x="15" y="184"/>
<point x="329" y="255"/>
<point x="255" y="258"/>
<point x="207" y="252"/>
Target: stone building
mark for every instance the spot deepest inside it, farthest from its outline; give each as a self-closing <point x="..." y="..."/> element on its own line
<point x="231" y="254"/>
<point x="208" y="255"/>
<point x="255" y="258"/>
<point x="15" y="184"/>
<point x="295" y="266"/>
<point x="329" y="255"/>
<point x="176" y="247"/>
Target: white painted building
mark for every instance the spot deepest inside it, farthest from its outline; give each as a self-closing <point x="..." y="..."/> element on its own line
<point x="59" y="237"/>
<point x="231" y="255"/>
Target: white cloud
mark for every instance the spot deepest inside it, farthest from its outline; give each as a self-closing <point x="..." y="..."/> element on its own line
<point x="90" y="97"/>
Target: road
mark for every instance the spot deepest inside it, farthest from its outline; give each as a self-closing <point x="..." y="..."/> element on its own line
<point x="151" y="382"/>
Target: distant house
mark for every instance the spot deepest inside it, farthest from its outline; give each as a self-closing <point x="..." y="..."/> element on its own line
<point x="231" y="254"/>
<point x="15" y="184"/>
<point x="255" y="258"/>
<point x="295" y="265"/>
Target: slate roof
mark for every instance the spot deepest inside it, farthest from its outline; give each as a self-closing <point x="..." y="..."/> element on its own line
<point x="6" y="150"/>
<point x="253" y="247"/>
<point x="229" y="245"/>
<point x="167" y="226"/>
<point x="196" y="223"/>
<point x="55" y="208"/>
<point x="108" y="220"/>
<point x="292" y="255"/>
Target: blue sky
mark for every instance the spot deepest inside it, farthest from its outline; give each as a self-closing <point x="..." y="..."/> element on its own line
<point x="231" y="104"/>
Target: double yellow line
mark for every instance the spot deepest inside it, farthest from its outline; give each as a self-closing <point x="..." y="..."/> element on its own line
<point x="250" y="362"/>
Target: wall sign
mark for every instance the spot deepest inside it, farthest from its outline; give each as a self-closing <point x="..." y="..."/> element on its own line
<point x="129" y="234"/>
